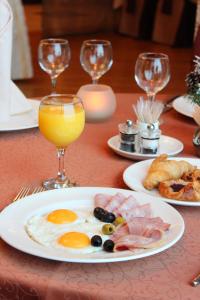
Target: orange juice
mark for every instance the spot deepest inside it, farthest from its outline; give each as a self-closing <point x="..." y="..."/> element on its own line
<point x="61" y="124"/>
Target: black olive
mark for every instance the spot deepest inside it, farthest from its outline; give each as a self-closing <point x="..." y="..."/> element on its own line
<point x="99" y="212"/>
<point x="107" y="217"/>
<point x="96" y="241"/>
<point x="108" y="246"/>
<point x="110" y="217"/>
<point x="103" y="215"/>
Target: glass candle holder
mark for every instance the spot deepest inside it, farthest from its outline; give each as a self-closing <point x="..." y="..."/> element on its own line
<point x="99" y="101"/>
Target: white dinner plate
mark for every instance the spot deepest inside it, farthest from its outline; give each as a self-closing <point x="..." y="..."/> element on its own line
<point x="134" y="175"/>
<point x="168" y="145"/>
<point x="12" y="229"/>
<point x="184" y="106"/>
<point x="26" y="120"/>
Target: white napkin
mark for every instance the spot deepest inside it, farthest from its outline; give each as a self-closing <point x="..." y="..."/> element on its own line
<point x="196" y="114"/>
<point x="12" y="100"/>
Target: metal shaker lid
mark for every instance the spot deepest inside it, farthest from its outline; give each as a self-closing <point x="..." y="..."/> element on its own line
<point x="128" y="127"/>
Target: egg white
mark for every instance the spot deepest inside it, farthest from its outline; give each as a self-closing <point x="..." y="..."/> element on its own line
<point x="90" y="229"/>
<point x="42" y="231"/>
<point x="47" y="233"/>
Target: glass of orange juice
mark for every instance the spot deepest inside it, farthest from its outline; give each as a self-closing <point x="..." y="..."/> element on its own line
<point x="61" y="121"/>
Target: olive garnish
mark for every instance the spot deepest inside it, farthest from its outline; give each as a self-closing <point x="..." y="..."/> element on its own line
<point x="119" y="221"/>
<point x="108" y="246"/>
<point x="96" y="241"/>
<point x="103" y="215"/>
<point x="108" y="229"/>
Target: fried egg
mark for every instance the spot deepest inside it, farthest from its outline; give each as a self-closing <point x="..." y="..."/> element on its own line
<point x="42" y="227"/>
<point x="66" y="229"/>
<point x="62" y="216"/>
<point x="79" y="240"/>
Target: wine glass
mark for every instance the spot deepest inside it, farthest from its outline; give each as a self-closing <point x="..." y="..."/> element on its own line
<point x="96" y="58"/>
<point x="61" y="121"/>
<point x="152" y="72"/>
<point x="54" y="56"/>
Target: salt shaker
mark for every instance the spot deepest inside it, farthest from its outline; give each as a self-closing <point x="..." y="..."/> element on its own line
<point x="149" y="140"/>
<point x="128" y="136"/>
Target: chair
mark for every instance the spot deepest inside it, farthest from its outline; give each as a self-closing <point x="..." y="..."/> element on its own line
<point x="76" y="17"/>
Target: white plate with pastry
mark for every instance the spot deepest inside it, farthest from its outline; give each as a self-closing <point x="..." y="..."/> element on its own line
<point x="184" y="106"/>
<point x="135" y="175"/>
<point x="168" y="145"/>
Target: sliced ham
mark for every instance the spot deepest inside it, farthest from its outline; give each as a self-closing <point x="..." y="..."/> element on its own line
<point x="129" y="203"/>
<point x="115" y="202"/>
<point x="137" y="211"/>
<point x="140" y="229"/>
<point x="101" y="200"/>
<point x="121" y="231"/>
<point x="131" y="242"/>
<point x="146" y="226"/>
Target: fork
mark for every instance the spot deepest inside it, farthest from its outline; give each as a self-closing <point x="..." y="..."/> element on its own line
<point x="25" y="191"/>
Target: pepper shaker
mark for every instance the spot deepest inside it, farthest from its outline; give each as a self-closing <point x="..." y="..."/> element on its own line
<point x="128" y="136"/>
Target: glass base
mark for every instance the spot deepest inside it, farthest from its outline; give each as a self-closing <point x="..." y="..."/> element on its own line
<point x="55" y="183"/>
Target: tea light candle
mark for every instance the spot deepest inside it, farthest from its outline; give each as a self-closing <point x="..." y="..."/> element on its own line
<point x="99" y="101"/>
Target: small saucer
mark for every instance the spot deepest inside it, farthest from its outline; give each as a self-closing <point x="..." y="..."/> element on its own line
<point x="168" y="145"/>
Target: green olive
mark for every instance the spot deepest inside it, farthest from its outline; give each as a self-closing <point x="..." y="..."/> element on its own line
<point x="108" y="229"/>
<point x="119" y="221"/>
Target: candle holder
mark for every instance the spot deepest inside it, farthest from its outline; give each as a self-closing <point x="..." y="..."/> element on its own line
<point x="99" y="102"/>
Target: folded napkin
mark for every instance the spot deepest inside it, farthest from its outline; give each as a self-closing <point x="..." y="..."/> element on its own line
<point x="196" y="114"/>
<point x="12" y="100"/>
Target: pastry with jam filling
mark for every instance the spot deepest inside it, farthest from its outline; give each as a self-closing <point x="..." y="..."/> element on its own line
<point x="192" y="176"/>
<point x="180" y="190"/>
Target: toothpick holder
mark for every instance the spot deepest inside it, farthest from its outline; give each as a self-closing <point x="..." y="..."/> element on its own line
<point x="144" y="126"/>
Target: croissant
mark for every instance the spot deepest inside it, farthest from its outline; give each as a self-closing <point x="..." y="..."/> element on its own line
<point x="162" y="169"/>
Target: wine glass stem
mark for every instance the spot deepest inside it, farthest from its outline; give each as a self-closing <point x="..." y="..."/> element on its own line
<point x="151" y="97"/>
<point x="61" y="168"/>
<point x="94" y="81"/>
<point x="53" y="83"/>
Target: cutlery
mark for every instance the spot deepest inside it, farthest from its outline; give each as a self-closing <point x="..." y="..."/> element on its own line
<point x="196" y="280"/>
<point x="25" y="191"/>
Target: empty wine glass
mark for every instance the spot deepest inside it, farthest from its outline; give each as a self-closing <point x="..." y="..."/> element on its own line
<point x="54" y="56"/>
<point x="61" y="121"/>
<point x="152" y="72"/>
<point x="96" y="58"/>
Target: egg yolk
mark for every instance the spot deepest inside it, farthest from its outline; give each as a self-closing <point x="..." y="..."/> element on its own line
<point x="61" y="216"/>
<point x="74" y="240"/>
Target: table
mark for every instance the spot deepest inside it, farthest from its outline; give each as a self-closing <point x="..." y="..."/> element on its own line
<point x="27" y="158"/>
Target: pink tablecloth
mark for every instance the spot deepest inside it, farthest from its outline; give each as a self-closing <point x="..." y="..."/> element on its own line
<point x="27" y="158"/>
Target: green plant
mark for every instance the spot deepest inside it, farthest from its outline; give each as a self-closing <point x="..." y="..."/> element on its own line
<point x="193" y="82"/>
